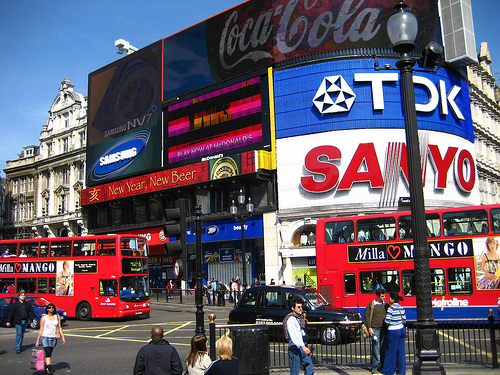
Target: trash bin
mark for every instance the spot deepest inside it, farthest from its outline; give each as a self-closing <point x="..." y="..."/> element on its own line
<point x="251" y="347"/>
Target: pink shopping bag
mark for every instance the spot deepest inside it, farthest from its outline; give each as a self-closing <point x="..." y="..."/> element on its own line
<point x="37" y="359"/>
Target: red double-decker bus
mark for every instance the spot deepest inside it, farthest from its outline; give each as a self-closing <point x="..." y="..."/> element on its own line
<point x="359" y="254"/>
<point x="101" y="276"/>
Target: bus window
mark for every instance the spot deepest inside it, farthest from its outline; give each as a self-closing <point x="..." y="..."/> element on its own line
<point x="8" y="285"/>
<point x="460" y="223"/>
<point x="495" y="220"/>
<point x="108" y="287"/>
<point x="437" y="282"/>
<point x="350" y="283"/>
<point x="373" y="280"/>
<point x="30" y="249"/>
<point x="133" y="246"/>
<point x="106" y="247"/>
<point x="60" y="249"/>
<point x="28" y="284"/>
<point x="339" y="231"/>
<point x="432" y="221"/>
<point x="459" y="280"/>
<point x="42" y="285"/>
<point x="366" y="282"/>
<point x="44" y="249"/>
<point x="84" y="248"/>
<point x="408" y="282"/>
<point x="52" y="285"/>
<point x="8" y="250"/>
<point x="377" y="229"/>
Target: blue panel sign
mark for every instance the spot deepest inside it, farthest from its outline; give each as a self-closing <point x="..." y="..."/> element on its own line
<point x="229" y="229"/>
<point x="351" y="94"/>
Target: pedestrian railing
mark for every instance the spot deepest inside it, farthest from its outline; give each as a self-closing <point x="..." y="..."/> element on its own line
<point x="182" y="296"/>
<point x="460" y="342"/>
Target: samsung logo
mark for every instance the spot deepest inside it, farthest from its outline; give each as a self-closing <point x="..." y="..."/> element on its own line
<point x="117" y="159"/>
<point x="118" y="156"/>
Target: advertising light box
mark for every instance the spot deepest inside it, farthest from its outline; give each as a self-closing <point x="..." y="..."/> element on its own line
<point x="351" y="94"/>
<point x="367" y="168"/>
<point x="124" y="118"/>
<point x="219" y="122"/>
<point x="261" y="33"/>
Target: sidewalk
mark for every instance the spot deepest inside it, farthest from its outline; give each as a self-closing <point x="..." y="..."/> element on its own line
<point x="221" y="312"/>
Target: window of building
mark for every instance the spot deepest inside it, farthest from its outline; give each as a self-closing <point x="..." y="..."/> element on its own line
<point x="22" y="188"/>
<point x="64" y="174"/>
<point x="65" y="145"/>
<point x="155" y="209"/>
<point x="31" y="183"/>
<point x="15" y="186"/>
<point x="83" y="141"/>
<point x="31" y="210"/>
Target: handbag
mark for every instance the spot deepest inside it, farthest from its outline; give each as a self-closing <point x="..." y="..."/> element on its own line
<point x="364" y="329"/>
<point x="37" y="359"/>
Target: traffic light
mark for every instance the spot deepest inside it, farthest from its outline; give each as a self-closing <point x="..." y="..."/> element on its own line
<point x="176" y="226"/>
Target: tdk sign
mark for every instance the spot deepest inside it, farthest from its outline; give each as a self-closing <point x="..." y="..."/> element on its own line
<point x="351" y="94"/>
<point x="335" y="95"/>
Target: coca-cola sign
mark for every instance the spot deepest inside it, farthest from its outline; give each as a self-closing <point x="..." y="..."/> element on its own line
<point x="260" y="33"/>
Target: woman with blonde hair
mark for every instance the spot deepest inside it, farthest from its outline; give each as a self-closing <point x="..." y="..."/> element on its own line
<point x="490" y="263"/>
<point x="226" y="364"/>
<point x="198" y="360"/>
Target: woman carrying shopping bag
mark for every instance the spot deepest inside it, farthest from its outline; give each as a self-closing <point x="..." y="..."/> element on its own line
<point x="50" y="331"/>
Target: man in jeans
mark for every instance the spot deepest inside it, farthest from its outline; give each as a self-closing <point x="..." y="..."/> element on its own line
<point x="374" y="320"/>
<point x="295" y="331"/>
<point x="21" y="314"/>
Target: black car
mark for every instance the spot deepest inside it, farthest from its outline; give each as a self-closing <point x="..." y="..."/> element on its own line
<point x="38" y="304"/>
<point x="266" y="304"/>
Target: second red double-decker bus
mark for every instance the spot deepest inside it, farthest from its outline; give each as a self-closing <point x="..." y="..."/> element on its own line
<point x="357" y="255"/>
<point x="101" y="276"/>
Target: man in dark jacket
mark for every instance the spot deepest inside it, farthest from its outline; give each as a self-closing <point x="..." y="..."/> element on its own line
<point x="20" y="314"/>
<point x="158" y="357"/>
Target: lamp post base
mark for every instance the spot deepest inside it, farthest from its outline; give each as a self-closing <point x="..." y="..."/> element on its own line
<point x="427" y="343"/>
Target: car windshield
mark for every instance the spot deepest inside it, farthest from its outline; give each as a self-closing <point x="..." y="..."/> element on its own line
<point x="316" y="299"/>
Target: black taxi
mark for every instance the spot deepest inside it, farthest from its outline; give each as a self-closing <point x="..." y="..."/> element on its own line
<point x="270" y="304"/>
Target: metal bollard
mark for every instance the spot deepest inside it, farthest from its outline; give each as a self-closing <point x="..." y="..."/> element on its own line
<point x="494" y="354"/>
<point x="212" y="336"/>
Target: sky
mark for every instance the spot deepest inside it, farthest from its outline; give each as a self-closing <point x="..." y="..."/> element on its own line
<point x="44" y="41"/>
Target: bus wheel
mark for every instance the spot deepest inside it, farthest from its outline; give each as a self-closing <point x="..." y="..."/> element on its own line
<point x="84" y="311"/>
<point x="330" y="335"/>
<point x="35" y="323"/>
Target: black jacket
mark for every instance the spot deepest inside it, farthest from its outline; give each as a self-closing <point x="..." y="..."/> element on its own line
<point x="15" y="312"/>
<point x="158" y="358"/>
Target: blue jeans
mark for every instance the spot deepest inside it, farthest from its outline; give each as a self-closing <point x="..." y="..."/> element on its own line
<point x="395" y="352"/>
<point x="379" y="346"/>
<point x="297" y="359"/>
<point x="20" y="330"/>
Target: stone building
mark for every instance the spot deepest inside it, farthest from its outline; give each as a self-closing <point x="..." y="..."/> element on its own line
<point x="485" y="98"/>
<point x="43" y="184"/>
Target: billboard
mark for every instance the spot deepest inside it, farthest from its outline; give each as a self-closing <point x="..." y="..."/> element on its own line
<point x="213" y="169"/>
<point x="260" y="33"/>
<point x="351" y="94"/>
<point x="124" y="118"/>
<point x="220" y="122"/>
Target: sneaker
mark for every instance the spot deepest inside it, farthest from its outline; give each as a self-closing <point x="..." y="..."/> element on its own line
<point x="375" y="371"/>
<point x="18" y="351"/>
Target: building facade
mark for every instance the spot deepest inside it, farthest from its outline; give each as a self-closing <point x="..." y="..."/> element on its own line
<point x="295" y="106"/>
<point x="485" y="98"/>
<point x="43" y="185"/>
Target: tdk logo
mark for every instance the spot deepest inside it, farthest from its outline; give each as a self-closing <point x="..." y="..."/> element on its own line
<point x="334" y="95"/>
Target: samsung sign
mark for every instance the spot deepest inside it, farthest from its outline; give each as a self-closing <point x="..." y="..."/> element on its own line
<point x="351" y="94"/>
<point x="123" y="152"/>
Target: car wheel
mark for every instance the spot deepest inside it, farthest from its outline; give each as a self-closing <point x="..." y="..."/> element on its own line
<point x="330" y="335"/>
<point x="35" y="323"/>
<point x="84" y="311"/>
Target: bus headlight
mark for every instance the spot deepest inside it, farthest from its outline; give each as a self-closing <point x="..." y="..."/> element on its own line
<point x="127" y="307"/>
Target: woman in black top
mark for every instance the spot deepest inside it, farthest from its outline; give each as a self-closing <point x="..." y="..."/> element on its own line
<point x="226" y="364"/>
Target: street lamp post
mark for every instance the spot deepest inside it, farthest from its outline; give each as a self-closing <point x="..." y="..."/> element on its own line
<point x="200" y="326"/>
<point x="402" y="29"/>
<point x="241" y="217"/>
